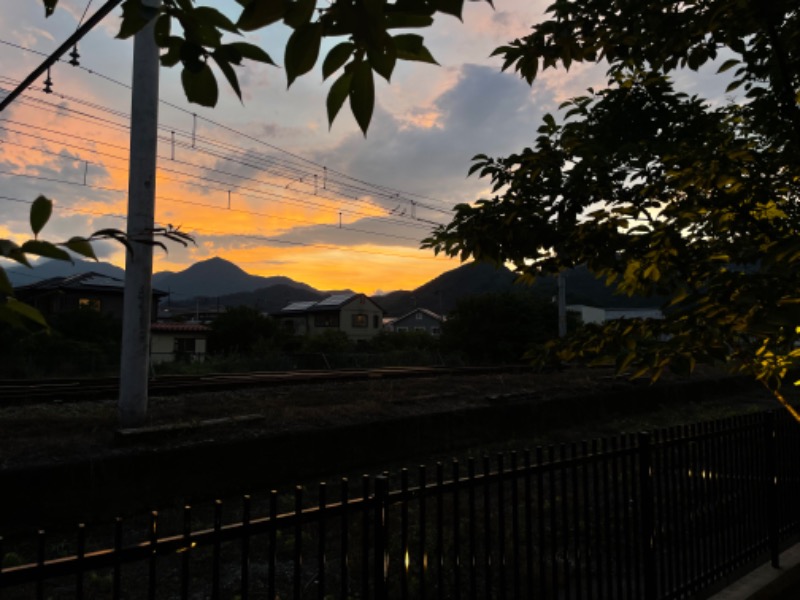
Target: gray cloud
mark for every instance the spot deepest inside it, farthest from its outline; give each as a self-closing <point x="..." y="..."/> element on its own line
<point x="485" y="112"/>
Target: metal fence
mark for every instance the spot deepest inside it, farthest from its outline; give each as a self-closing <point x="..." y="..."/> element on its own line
<point x="658" y="515"/>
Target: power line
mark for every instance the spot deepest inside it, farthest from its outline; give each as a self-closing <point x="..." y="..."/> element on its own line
<point x="384" y="191"/>
<point x="213" y="207"/>
<point x="293" y="177"/>
<point x="82" y="30"/>
<point x="254" y="193"/>
<point x="254" y="236"/>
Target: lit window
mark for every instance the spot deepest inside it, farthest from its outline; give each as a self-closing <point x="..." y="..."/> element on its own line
<point x="360" y="320"/>
<point x="90" y="303"/>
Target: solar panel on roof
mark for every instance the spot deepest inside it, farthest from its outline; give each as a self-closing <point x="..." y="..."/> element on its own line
<point x="335" y="300"/>
<point x="300" y="305"/>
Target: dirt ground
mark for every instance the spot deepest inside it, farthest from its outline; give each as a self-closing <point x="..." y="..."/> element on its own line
<point x="42" y="433"/>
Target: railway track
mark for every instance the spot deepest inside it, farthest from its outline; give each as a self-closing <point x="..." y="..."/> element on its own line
<point x="16" y="392"/>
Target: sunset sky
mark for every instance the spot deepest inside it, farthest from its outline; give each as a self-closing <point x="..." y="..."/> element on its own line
<point x="265" y="183"/>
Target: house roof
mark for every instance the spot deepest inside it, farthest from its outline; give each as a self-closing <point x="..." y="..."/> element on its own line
<point x="331" y="303"/>
<point x="175" y="327"/>
<point x="81" y="282"/>
<point x="425" y="311"/>
<point x="298" y="306"/>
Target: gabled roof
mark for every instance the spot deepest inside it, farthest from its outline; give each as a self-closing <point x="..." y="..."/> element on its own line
<point x="336" y="300"/>
<point x="82" y="281"/>
<point x="298" y="306"/>
<point x="425" y="311"/>
<point x="331" y="303"/>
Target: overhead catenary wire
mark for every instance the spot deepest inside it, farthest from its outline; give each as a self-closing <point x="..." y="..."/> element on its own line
<point x="254" y="236"/>
<point x="244" y="191"/>
<point x="256" y="159"/>
<point x="288" y="165"/>
<point x="328" y="172"/>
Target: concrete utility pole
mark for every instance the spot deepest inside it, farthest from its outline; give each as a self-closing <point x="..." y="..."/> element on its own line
<point x="134" y="367"/>
<point x="562" y="305"/>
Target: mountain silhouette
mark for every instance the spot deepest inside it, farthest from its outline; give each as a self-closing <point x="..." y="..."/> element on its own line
<point x="216" y="277"/>
<point x="217" y="282"/>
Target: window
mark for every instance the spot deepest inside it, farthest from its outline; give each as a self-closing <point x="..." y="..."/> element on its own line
<point x="418" y="316"/>
<point x="402" y="329"/>
<point x="360" y="320"/>
<point x="422" y="329"/>
<point x="90" y="303"/>
<point x="435" y="331"/>
<point x="375" y="322"/>
<point x="326" y="320"/>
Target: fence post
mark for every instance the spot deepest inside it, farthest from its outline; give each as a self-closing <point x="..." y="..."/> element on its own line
<point x="381" y="537"/>
<point x="772" y="505"/>
<point x="648" y="515"/>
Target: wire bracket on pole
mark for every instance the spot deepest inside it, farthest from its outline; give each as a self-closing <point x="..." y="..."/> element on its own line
<point x="48" y="83"/>
<point x="74" y="56"/>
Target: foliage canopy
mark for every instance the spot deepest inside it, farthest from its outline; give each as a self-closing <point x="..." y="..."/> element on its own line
<point x="367" y="29"/>
<point x="667" y="194"/>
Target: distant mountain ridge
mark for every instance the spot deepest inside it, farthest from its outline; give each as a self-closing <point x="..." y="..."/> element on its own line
<point x="216" y="277"/>
<point x="218" y="282"/>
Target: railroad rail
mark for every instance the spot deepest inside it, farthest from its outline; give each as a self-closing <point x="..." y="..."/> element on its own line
<point x="14" y="392"/>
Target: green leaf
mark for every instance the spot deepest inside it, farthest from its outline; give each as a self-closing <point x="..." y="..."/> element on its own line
<point x="229" y="73"/>
<point x="162" y="30"/>
<point x="362" y="95"/>
<point x="336" y="57"/>
<point x="728" y="64"/>
<point x="404" y="20"/>
<point x="450" y="7"/>
<point x="302" y="51"/>
<point x="5" y="283"/>
<point x="260" y="13"/>
<point x="45" y="249"/>
<point x="80" y="245"/>
<point x="41" y="209"/>
<point x="12" y="251"/>
<point x="213" y="18"/>
<point x="410" y="47"/>
<point x="135" y="15"/>
<point x="173" y="54"/>
<point x="337" y="95"/>
<point x="383" y="62"/>
<point x="25" y="310"/>
<point x="299" y="13"/>
<point x="200" y="86"/>
<point x="251" y="52"/>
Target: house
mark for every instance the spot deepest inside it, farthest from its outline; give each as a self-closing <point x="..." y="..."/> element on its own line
<point x="174" y="341"/>
<point x="355" y="314"/>
<point x="419" y="319"/>
<point x="593" y="314"/>
<point x="94" y="291"/>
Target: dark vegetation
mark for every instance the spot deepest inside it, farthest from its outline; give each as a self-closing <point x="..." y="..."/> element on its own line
<point x="491" y="328"/>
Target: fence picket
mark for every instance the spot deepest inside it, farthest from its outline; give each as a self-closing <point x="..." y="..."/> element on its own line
<point x="655" y="516"/>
